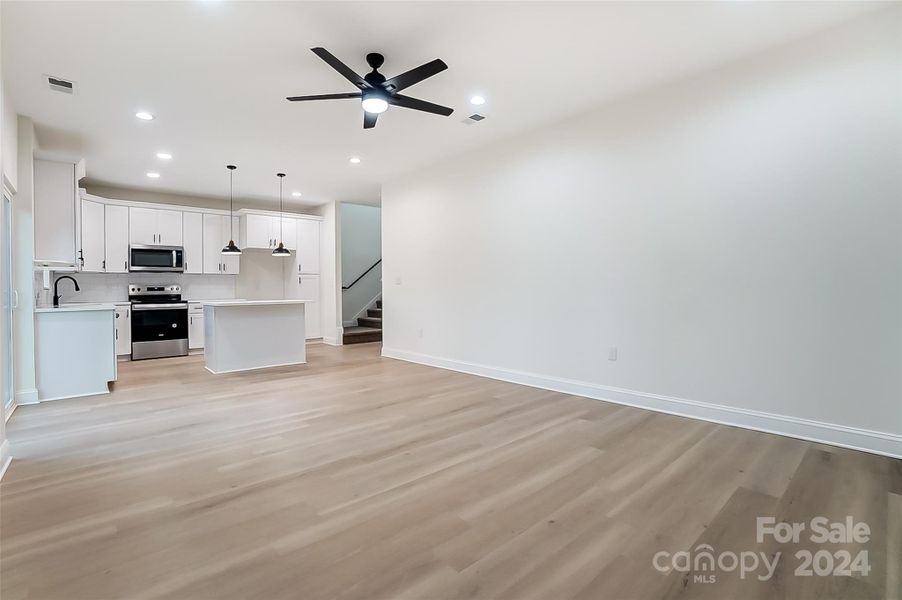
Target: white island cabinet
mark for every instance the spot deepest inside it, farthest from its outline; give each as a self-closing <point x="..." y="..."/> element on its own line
<point x="240" y="335"/>
<point x="75" y="350"/>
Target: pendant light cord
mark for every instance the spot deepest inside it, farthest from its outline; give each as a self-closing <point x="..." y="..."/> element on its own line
<point x="231" y="231"/>
<point x="281" y="237"/>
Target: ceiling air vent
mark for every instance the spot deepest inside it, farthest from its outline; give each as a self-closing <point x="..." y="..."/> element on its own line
<point x="474" y="118"/>
<point x="60" y="85"/>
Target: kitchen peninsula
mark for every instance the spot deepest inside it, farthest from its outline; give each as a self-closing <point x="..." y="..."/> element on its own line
<point x="240" y="335"/>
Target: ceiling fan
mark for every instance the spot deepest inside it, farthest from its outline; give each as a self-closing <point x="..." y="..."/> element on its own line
<point x="377" y="92"/>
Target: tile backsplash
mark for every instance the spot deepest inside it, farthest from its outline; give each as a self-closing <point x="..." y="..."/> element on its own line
<point x="113" y="287"/>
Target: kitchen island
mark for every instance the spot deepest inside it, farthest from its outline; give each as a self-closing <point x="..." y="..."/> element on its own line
<point x="240" y="335"/>
<point x="75" y="350"/>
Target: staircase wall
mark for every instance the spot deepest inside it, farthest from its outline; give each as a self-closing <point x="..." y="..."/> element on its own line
<point x="361" y="246"/>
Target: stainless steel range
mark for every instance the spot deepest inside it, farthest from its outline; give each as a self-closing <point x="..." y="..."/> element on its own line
<point x="159" y="321"/>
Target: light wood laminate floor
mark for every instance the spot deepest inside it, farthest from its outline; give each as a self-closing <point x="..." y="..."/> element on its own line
<point x="362" y="477"/>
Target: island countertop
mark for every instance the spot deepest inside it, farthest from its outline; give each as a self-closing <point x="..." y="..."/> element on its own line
<point x="250" y="302"/>
<point x="75" y="307"/>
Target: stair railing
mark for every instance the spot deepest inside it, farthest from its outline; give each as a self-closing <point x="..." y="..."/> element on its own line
<point x="374" y="265"/>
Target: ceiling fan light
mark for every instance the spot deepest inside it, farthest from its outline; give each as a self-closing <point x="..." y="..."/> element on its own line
<point x="374" y="105"/>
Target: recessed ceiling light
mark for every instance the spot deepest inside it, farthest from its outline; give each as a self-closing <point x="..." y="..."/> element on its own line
<point x="354" y="160"/>
<point x="153" y="175"/>
<point x="164" y="155"/>
<point x="144" y="116"/>
<point x="296" y="194"/>
<point x="477" y="100"/>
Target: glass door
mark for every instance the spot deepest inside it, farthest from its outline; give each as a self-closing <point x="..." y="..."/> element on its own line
<point x="6" y="296"/>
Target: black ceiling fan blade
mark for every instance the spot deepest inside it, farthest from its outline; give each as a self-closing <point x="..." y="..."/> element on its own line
<point x="342" y="68"/>
<point x="369" y="120"/>
<point x="405" y="80"/>
<point x="416" y="104"/>
<point x="325" y="97"/>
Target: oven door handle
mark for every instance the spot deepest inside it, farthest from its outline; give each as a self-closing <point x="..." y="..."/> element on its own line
<point x="140" y="307"/>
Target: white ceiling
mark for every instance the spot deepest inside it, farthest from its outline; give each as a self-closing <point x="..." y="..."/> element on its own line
<point x="215" y="74"/>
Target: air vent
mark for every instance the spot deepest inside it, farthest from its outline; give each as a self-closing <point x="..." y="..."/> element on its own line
<point x="474" y="118"/>
<point x="60" y="85"/>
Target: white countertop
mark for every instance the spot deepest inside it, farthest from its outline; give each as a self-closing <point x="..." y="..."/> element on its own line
<point x="208" y="300"/>
<point x="250" y="302"/>
<point x="76" y="307"/>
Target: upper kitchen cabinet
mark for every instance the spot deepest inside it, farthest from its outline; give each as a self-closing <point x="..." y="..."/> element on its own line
<point x="116" y="238"/>
<point x="104" y="238"/>
<point x="216" y="234"/>
<point x="155" y="227"/>
<point x="56" y="213"/>
<point x="193" y="241"/>
<point x="307" y="259"/>
<point x="258" y="231"/>
<point x="91" y="255"/>
<point x="288" y="234"/>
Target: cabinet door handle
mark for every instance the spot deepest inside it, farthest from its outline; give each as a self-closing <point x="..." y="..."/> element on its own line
<point x="117" y="332"/>
<point x="191" y="321"/>
<point x="104" y="264"/>
<point x="126" y="265"/>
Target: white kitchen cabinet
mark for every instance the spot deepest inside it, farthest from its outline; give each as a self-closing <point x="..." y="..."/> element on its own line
<point x="155" y="227"/>
<point x="123" y="330"/>
<point x="142" y="226"/>
<point x="256" y="231"/>
<point x="169" y="224"/>
<point x="115" y="238"/>
<point x="288" y="234"/>
<point x="307" y="287"/>
<point x="92" y="254"/>
<point x="193" y="241"/>
<point x="230" y="264"/>
<point x="216" y="234"/>
<point x="55" y="214"/>
<point x="307" y="258"/>
<point x="195" y="325"/>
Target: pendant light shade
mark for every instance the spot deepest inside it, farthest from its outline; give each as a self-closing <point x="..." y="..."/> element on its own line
<point x="231" y="248"/>
<point x="281" y="251"/>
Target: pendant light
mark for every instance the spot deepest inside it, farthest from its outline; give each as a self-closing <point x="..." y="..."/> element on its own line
<point x="231" y="248"/>
<point x="281" y="251"/>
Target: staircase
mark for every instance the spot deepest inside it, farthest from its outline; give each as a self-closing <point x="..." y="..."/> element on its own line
<point x="368" y="329"/>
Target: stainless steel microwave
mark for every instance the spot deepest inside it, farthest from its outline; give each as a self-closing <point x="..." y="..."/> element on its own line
<point x="159" y="259"/>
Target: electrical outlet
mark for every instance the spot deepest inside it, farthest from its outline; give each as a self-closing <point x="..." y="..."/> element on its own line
<point x="612" y="353"/>
<point x="397" y="281"/>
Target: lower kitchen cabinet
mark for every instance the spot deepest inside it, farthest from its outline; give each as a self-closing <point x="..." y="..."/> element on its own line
<point x="123" y="330"/>
<point x="306" y="287"/>
<point x="195" y="326"/>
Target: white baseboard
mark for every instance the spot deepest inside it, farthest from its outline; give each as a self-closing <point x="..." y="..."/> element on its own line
<point x="29" y="396"/>
<point x="5" y="457"/>
<point x="877" y="442"/>
<point x="332" y="341"/>
<point x="12" y="408"/>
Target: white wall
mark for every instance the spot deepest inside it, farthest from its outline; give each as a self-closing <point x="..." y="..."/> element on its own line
<point x="23" y="267"/>
<point x="9" y="139"/>
<point x="361" y="246"/>
<point x="262" y="277"/>
<point x="8" y="180"/>
<point x="330" y="272"/>
<point x="737" y="236"/>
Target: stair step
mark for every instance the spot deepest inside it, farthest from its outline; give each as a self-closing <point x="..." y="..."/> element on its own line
<point x="361" y="335"/>
<point x="374" y="312"/>
<point x="373" y="322"/>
